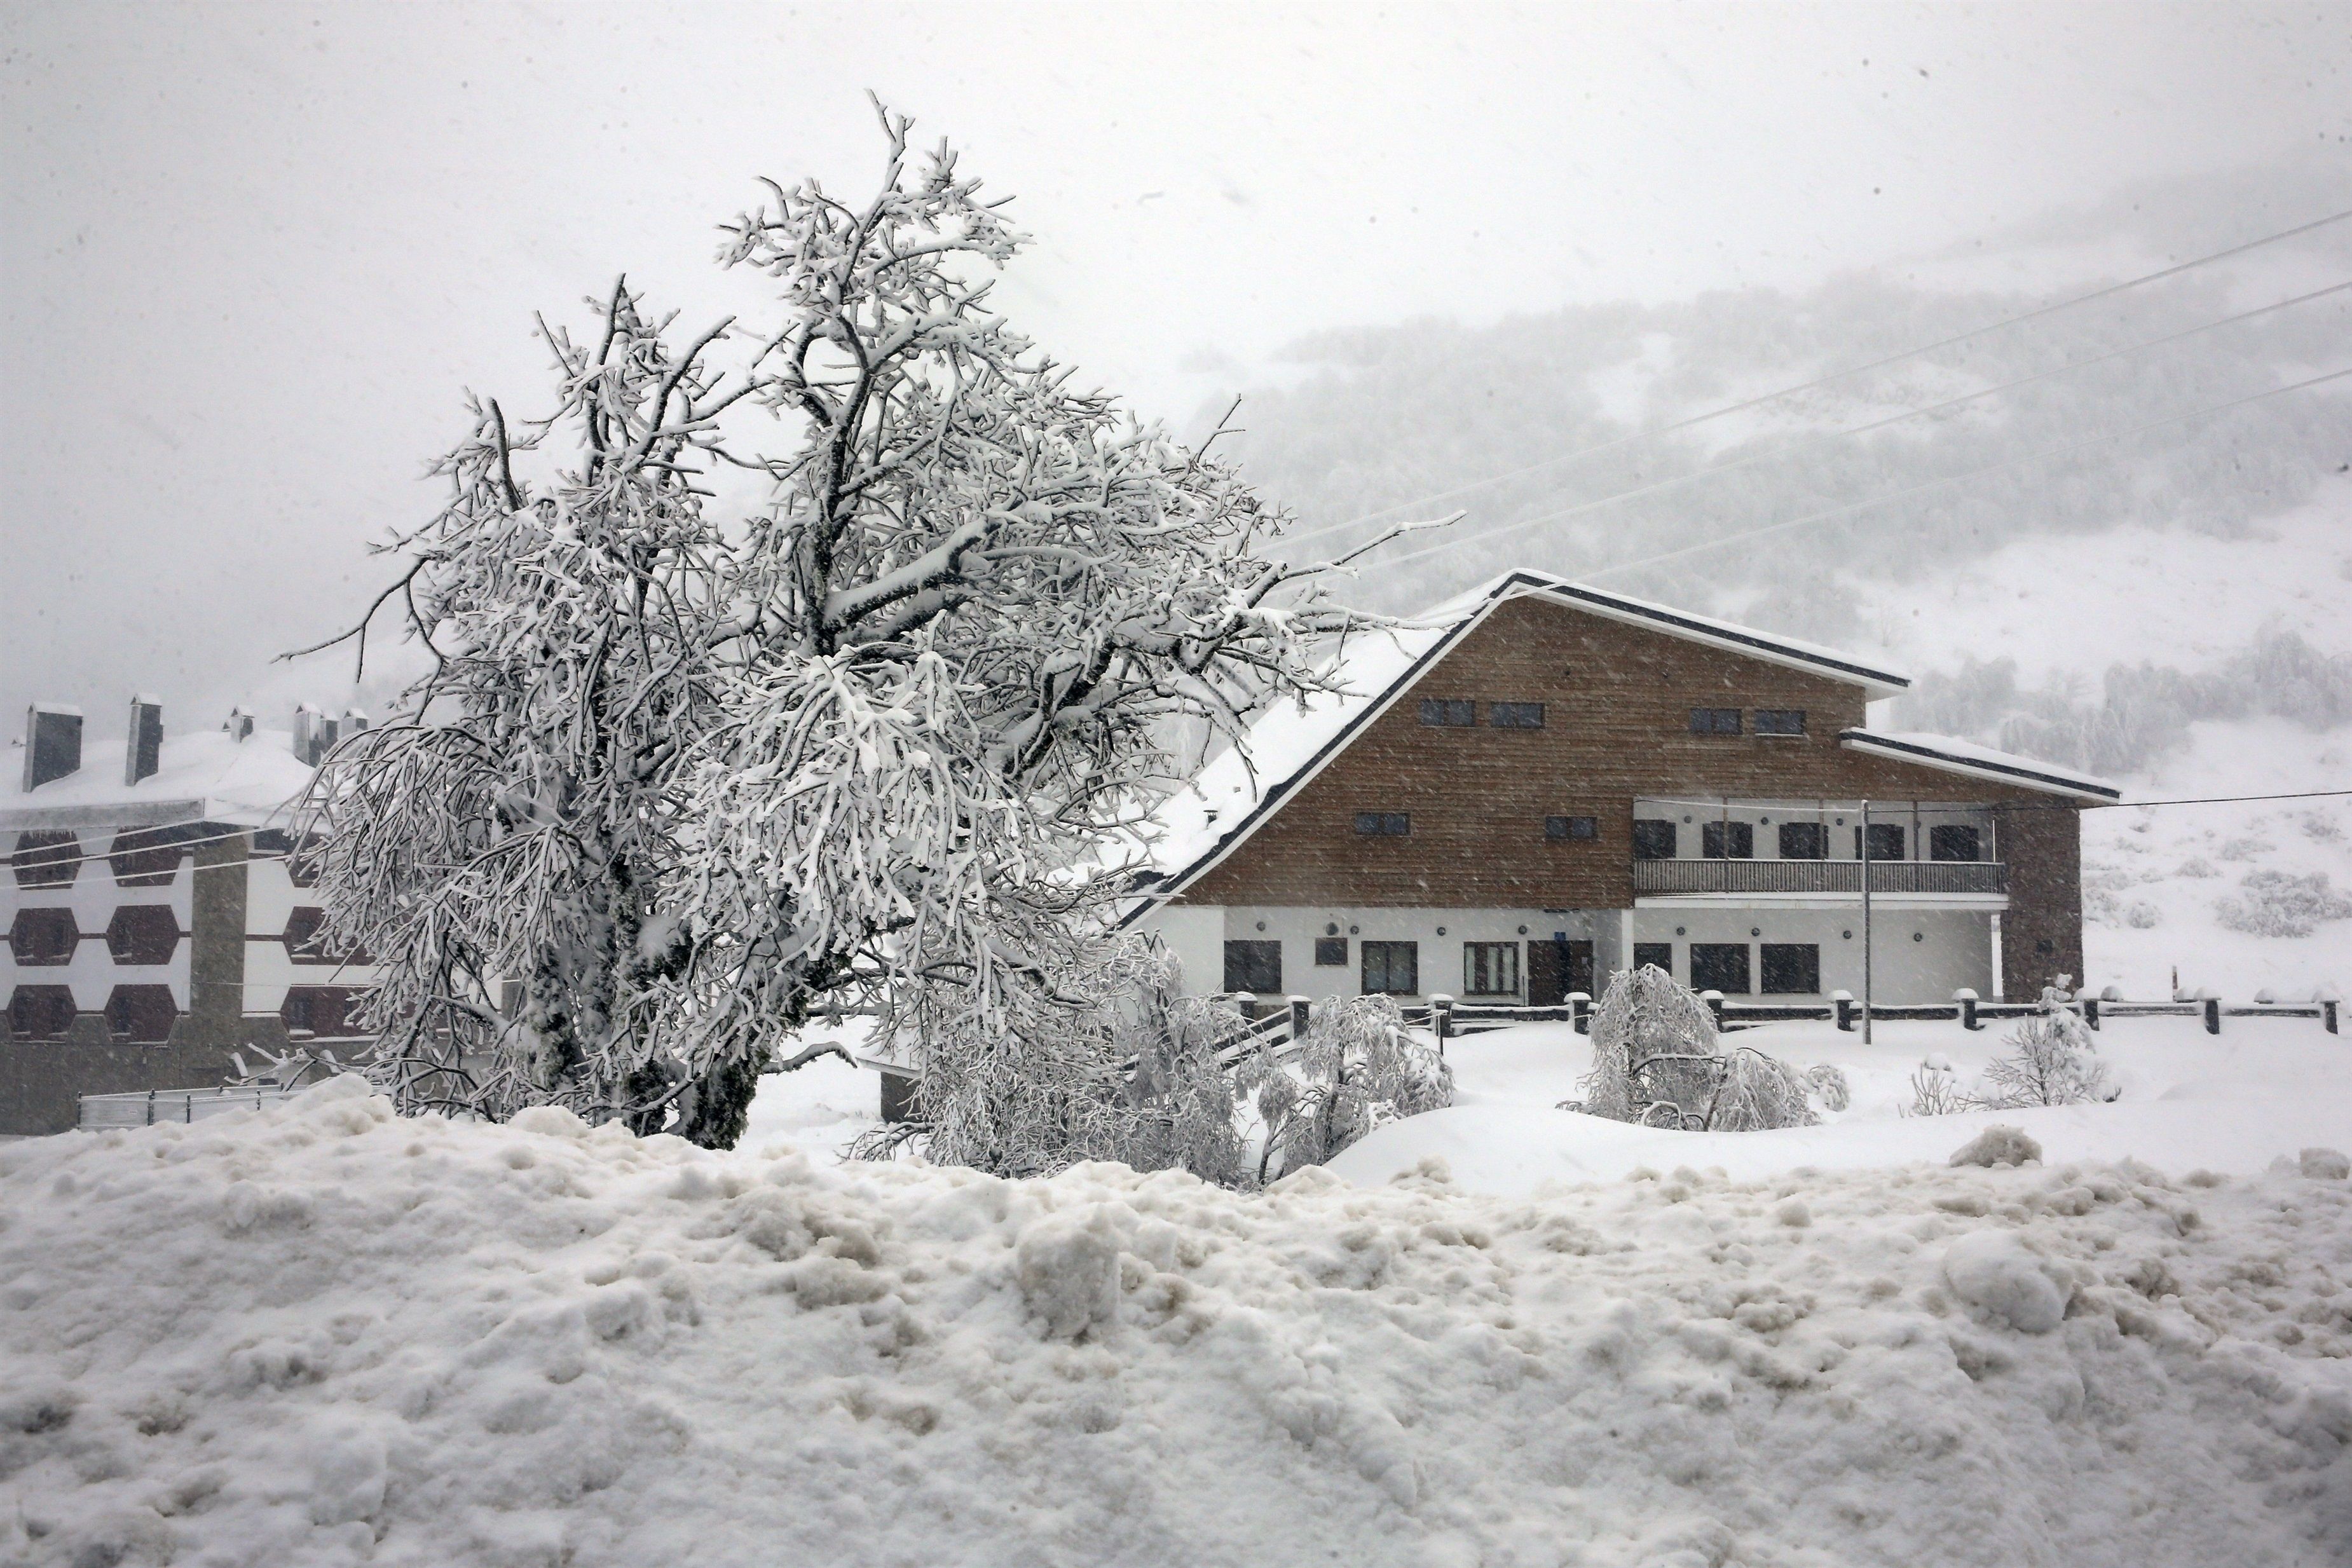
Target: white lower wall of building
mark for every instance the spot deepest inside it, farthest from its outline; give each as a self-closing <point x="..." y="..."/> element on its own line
<point x="1921" y="956"/>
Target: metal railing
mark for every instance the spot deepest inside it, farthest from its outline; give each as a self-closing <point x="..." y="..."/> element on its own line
<point x="99" y="1112"/>
<point x="1654" y="879"/>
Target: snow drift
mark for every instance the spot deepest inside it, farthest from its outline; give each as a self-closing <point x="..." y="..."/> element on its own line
<point x="320" y="1335"/>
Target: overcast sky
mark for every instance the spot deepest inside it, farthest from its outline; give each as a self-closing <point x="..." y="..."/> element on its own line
<point x="253" y="255"/>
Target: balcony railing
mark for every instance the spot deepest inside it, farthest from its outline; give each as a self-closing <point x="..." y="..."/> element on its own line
<point x="1666" y="879"/>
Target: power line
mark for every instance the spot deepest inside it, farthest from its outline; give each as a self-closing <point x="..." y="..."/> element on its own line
<point x="1824" y="437"/>
<point x="1878" y="500"/>
<point x="1835" y="376"/>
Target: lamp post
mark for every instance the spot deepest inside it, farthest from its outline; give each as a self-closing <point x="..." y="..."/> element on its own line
<point x="1865" y="923"/>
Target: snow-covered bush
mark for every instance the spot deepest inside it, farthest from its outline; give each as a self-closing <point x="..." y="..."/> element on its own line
<point x="1657" y="1060"/>
<point x="686" y="775"/>
<point x="2053" y="1060"/>
<point x="1357" y="1068"/>
<point x="2280" y="903"/>
<point x="1936" y="1091"/>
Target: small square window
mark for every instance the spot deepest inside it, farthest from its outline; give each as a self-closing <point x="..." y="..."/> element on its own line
<point x="1331" y="951"/>
<point x="1805" y="841"/>
<point x="1715" y="721"/>
<point x="1490" y="968"/>
<point x="1727" y="840"/>
<point x="1571" y="827"/>
<point x="1253" y="967"/>
<point x="1953" y="842"/>
<point x="1448" y="713"/>
<point x="1654" y="956"/>
<point x="1886" y="841"/>
<point x="1383" y="825"/>
<point x="1515" y="715"/>
<point x="1391" y="968"/>
<point x="1654" y="839"/>
<point x="1779" y="721"/>
<point x="1720" y="967"/>
<point x="1792" y="969"/>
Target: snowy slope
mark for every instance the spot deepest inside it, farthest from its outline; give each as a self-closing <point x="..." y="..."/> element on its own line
<point x="320" y="1335"/>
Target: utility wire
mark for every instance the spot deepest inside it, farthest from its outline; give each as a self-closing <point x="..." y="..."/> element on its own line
<point x="1835" y="376"/>
<point x="1824" y="437"/>
<point x="1875" y="500"/>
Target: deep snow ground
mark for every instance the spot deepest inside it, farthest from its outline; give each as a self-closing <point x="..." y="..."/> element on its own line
<point x="320" y="1335"/>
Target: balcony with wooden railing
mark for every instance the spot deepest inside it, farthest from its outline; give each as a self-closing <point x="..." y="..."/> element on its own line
<point x="1893" y="879"/>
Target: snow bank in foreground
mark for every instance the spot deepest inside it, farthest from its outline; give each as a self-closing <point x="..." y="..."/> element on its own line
<point x="318" y="1334"/>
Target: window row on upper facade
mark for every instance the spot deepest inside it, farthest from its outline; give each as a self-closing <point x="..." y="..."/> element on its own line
<point x="1461" y="713"/>
<point x="1727" y="721"/>
<point x="1657" y="838"/>
<point x="1399" y="825"/>
<point x="137" y="857"/>
<point x="141" y="934"/>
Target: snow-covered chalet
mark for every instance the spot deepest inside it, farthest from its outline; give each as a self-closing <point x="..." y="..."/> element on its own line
<point x="1539" y="782"/>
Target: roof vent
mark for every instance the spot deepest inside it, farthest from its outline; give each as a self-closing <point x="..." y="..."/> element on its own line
<point x="239" y="726"/>
<point x="52" y="743"/>
<point x="144" y="754"/>
<point x="354" y="721"/>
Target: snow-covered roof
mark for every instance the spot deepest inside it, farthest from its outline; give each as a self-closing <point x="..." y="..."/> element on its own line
<point x="1974" y="761"/>
<point x="1287" y="746"/>
<point x="202" y="777"/>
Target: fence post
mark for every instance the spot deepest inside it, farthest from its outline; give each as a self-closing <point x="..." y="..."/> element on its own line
<point x="1441" y="1019"/>
<point x="1714" y="1001"/>
<point x="1298" y="1017"/>
<point x="2328" y="1013"/>
<point x="2090" y="1010"/>
<point x="2213" y="1015"/>
<point x="1247" y="1002"/>
<point x="1579" y="1011"/>
<point x="1844" y="1001"/>
<point x="1967" y="1000"/>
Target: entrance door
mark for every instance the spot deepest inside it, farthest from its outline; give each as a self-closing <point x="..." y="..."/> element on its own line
<point x="1557" y="969"/>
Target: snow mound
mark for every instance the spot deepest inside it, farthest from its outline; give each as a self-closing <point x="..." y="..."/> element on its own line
<point x="316" y="1334"/>
<point x="1998" y="1146"/>
<point x="1992" y="1271"/>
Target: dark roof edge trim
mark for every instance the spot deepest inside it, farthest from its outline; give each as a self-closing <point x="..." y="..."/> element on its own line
<point x="1982" y="765"/>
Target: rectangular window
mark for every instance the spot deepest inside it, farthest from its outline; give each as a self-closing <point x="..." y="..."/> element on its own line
<point x="1791" y="969"/>
<point x="1515" y="715"/>
<point x="1720" y="967"/>
<point x="1654" y="839"/>
<point x="1654" y="956"/>
<point x="1391" y="968"/>
<point x="1727" y="840"/>
<point x="1886" y="841"/>
<point x="1383" y="825"/>
<point x="1331" y="950"/>
<point x="1448" y="713"/>
<point x="1805" y="841"/>
<point x="1779" y="721"/>
<point x="1715" y="721"/>
<point x="1490" y="968"/>
<point x="1571" y="827"/>
<point x="1253" y="967"/>
<point x="1953" y="843"/>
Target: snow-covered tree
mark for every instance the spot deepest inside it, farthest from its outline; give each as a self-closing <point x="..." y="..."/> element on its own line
<point x="692" y="776"/>
<point x="1657" y="1060"/>
<point x="2051" y="1060"/>
<point x="1356" y="1068"/>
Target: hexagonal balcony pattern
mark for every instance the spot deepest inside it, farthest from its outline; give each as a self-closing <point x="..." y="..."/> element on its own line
<point x="40" y="936"/>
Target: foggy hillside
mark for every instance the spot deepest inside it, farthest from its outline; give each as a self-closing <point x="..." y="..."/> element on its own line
<point x="2104" y="538"/>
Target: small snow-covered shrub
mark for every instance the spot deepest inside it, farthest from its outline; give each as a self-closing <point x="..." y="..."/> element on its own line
<point x="2199" y="866"/>
<point x="2142" y="916"/>
<point x="2323" y="1165"/>
<point x="2243" y="849"/>
<point x="2280" y="904"/>
<point x="1357" y="1068"/>
<point x="1936" y="1091"/>
<point x="2053" y="1060"/>
<point x="1657" y="1061"/>
<point x="2323" y="827"/>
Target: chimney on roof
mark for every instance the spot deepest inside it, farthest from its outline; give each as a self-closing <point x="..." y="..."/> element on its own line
<point x="52" y="743"/>
<point x="354" y="721"/>
<point x="144" y="754"/>
<point x="306" y="734"/>
<point x="239" y="726"/>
